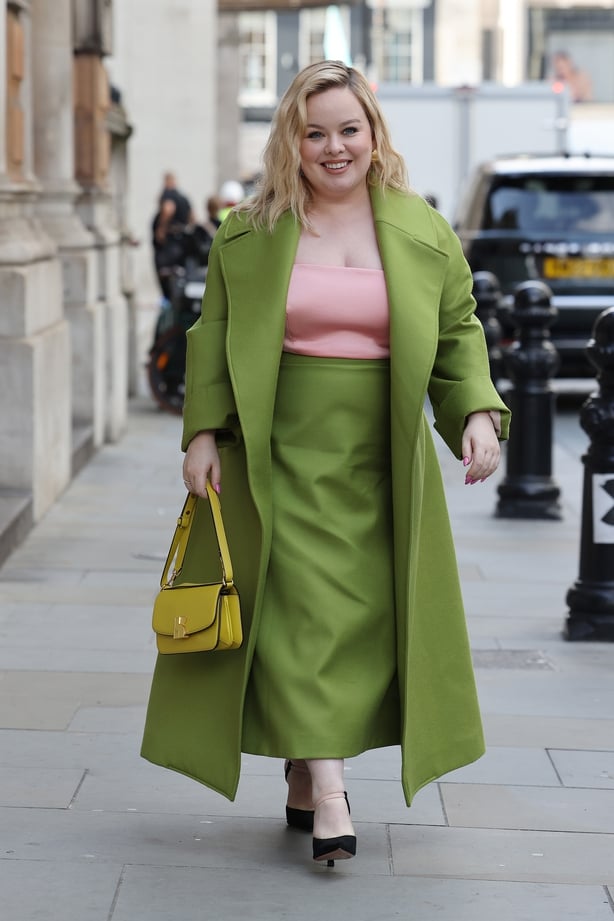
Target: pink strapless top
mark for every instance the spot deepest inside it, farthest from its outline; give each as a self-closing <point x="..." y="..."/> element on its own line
<point x="337" y="312"/>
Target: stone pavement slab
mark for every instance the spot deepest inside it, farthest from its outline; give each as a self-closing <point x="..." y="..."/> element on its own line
<point x="509" y="765"/>
<point x="104" y="659"/>
<point x="77" y="587"/>
<point x="383" y="801"/>
<point x="503" y="854"/>
<point x="37" y="787"/>
<point x="593" y="769"/>
<point x="49" y="700"/>
<point x="45" y="890"/>
<point x="550" y="732"/>
<point x="530" y="808"/>
<point x="175" y="840"/>
<point x="80" y="751"/>
<point x="294" y="896"/>
<point x="32" y="628"/>
<point x="98" y="720"/>
<point x="546" y="693"/>
<point x="113" y="551"/>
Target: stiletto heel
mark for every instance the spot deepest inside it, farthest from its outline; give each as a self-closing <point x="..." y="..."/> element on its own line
<point x="330" y="849"/>
<point x="298" y="818"/>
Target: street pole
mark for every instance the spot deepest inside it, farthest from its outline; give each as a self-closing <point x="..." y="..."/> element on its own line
<point x="591" y="598"/>
<point x="529" y="490"/>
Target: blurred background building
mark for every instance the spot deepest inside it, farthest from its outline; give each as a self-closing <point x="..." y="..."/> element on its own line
<point x="448" y="42"/>
<point x="98" y="98"/>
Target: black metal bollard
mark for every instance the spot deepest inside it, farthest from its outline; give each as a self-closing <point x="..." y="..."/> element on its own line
<point x="487" y="294"/>
<point x="528" y="489"/>
<point x="591" y="598"/>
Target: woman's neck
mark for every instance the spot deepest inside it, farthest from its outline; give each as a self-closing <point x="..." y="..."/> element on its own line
<point x="340" y="211"/>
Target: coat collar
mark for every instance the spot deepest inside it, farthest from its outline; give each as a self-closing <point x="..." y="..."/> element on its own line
<point x="408" y="213"/>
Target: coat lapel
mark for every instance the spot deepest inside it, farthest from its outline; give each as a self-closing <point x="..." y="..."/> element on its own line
<point x="414" y="267"/>
<point x="257" y="266"/>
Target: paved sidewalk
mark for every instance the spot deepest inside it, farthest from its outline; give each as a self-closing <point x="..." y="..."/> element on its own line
<point x="90" y="832"/>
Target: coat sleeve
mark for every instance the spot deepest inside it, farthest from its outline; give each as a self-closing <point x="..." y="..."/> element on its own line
<point x="209" y="400"/>
<point x="460" y="382"/>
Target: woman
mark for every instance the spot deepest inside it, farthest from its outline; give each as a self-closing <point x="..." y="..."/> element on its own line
<point x="335" y="300"/>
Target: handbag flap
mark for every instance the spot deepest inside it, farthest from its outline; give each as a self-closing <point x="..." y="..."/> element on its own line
<point x="195" y="604"/>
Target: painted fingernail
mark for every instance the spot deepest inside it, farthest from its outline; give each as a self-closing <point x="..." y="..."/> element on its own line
<point x="465" y="461"/>
<point x="468" y="480"/>
<point x="217" y="488"/>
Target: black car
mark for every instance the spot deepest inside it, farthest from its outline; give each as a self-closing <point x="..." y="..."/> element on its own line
<point x="550" y="219"/>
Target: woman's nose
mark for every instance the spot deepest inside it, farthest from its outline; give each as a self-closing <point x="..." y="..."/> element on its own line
<point x="335" y="145"/>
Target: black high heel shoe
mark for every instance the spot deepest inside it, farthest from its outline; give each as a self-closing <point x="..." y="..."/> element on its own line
<point x="298" y="818"/>
<point x="330" y="849"/>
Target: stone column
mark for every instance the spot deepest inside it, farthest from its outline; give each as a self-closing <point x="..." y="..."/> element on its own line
<point x="93" y="145"/>
<point x="121" y="131"/>
<point x="34" y="336"/>
<point x="3" y="92"/>
<point x="52" y="71"/>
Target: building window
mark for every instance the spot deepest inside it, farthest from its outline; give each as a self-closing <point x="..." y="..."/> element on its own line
<point x="311" y="36"/>
<point x="397" y="38"/>
<point x="257" y="58"/>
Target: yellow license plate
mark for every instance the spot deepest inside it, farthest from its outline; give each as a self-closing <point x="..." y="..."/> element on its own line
<point x="578" y="268"/>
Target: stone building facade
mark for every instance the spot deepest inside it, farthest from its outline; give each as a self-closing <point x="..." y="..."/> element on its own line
<point x="64" y="319"/>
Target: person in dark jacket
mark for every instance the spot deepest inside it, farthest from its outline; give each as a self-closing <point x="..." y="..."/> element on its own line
<point x="173" y="216"/>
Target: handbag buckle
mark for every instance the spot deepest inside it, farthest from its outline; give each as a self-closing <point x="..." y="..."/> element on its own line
<point x="179" y="630"/>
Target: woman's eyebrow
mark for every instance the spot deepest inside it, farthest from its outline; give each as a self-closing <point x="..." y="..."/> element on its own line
<point x="348" y="121"/>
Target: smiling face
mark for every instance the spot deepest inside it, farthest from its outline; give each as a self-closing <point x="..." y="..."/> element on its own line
<point x="336" y="146"/>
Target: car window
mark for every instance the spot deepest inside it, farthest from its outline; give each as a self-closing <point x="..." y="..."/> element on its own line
<point x="551" y="204"/>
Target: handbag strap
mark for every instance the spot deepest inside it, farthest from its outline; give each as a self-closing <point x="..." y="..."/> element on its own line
<point x="182" y="533"/>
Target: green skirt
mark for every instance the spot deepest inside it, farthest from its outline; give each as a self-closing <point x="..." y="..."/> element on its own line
<point x="323" y="683"/>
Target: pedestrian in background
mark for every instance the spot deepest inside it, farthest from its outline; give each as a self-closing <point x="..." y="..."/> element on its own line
<point x="212" y="221"/>
<point x="231" y="193"/>
<point x="577" y="81"/>
<point x="173" y="216"/>
<point x="336" y="300"/>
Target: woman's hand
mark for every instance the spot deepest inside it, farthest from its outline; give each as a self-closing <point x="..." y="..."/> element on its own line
<point x="480" y="446"/>
<point x="202" y="462"/>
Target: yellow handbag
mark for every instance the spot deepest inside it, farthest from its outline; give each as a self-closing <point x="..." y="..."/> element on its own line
<point x="196" y="617"/>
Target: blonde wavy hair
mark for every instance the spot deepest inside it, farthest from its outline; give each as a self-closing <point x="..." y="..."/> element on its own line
<point x="282" y="187"/>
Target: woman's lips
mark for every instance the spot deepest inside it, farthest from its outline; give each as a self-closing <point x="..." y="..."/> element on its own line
<point x="335" y="165"/>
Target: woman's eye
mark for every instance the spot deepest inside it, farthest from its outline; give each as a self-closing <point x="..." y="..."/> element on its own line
<point x="351" y="129"/>
<point x="314" y="135"/>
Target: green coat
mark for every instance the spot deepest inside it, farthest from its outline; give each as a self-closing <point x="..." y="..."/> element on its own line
<point x="194" y="719"/>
